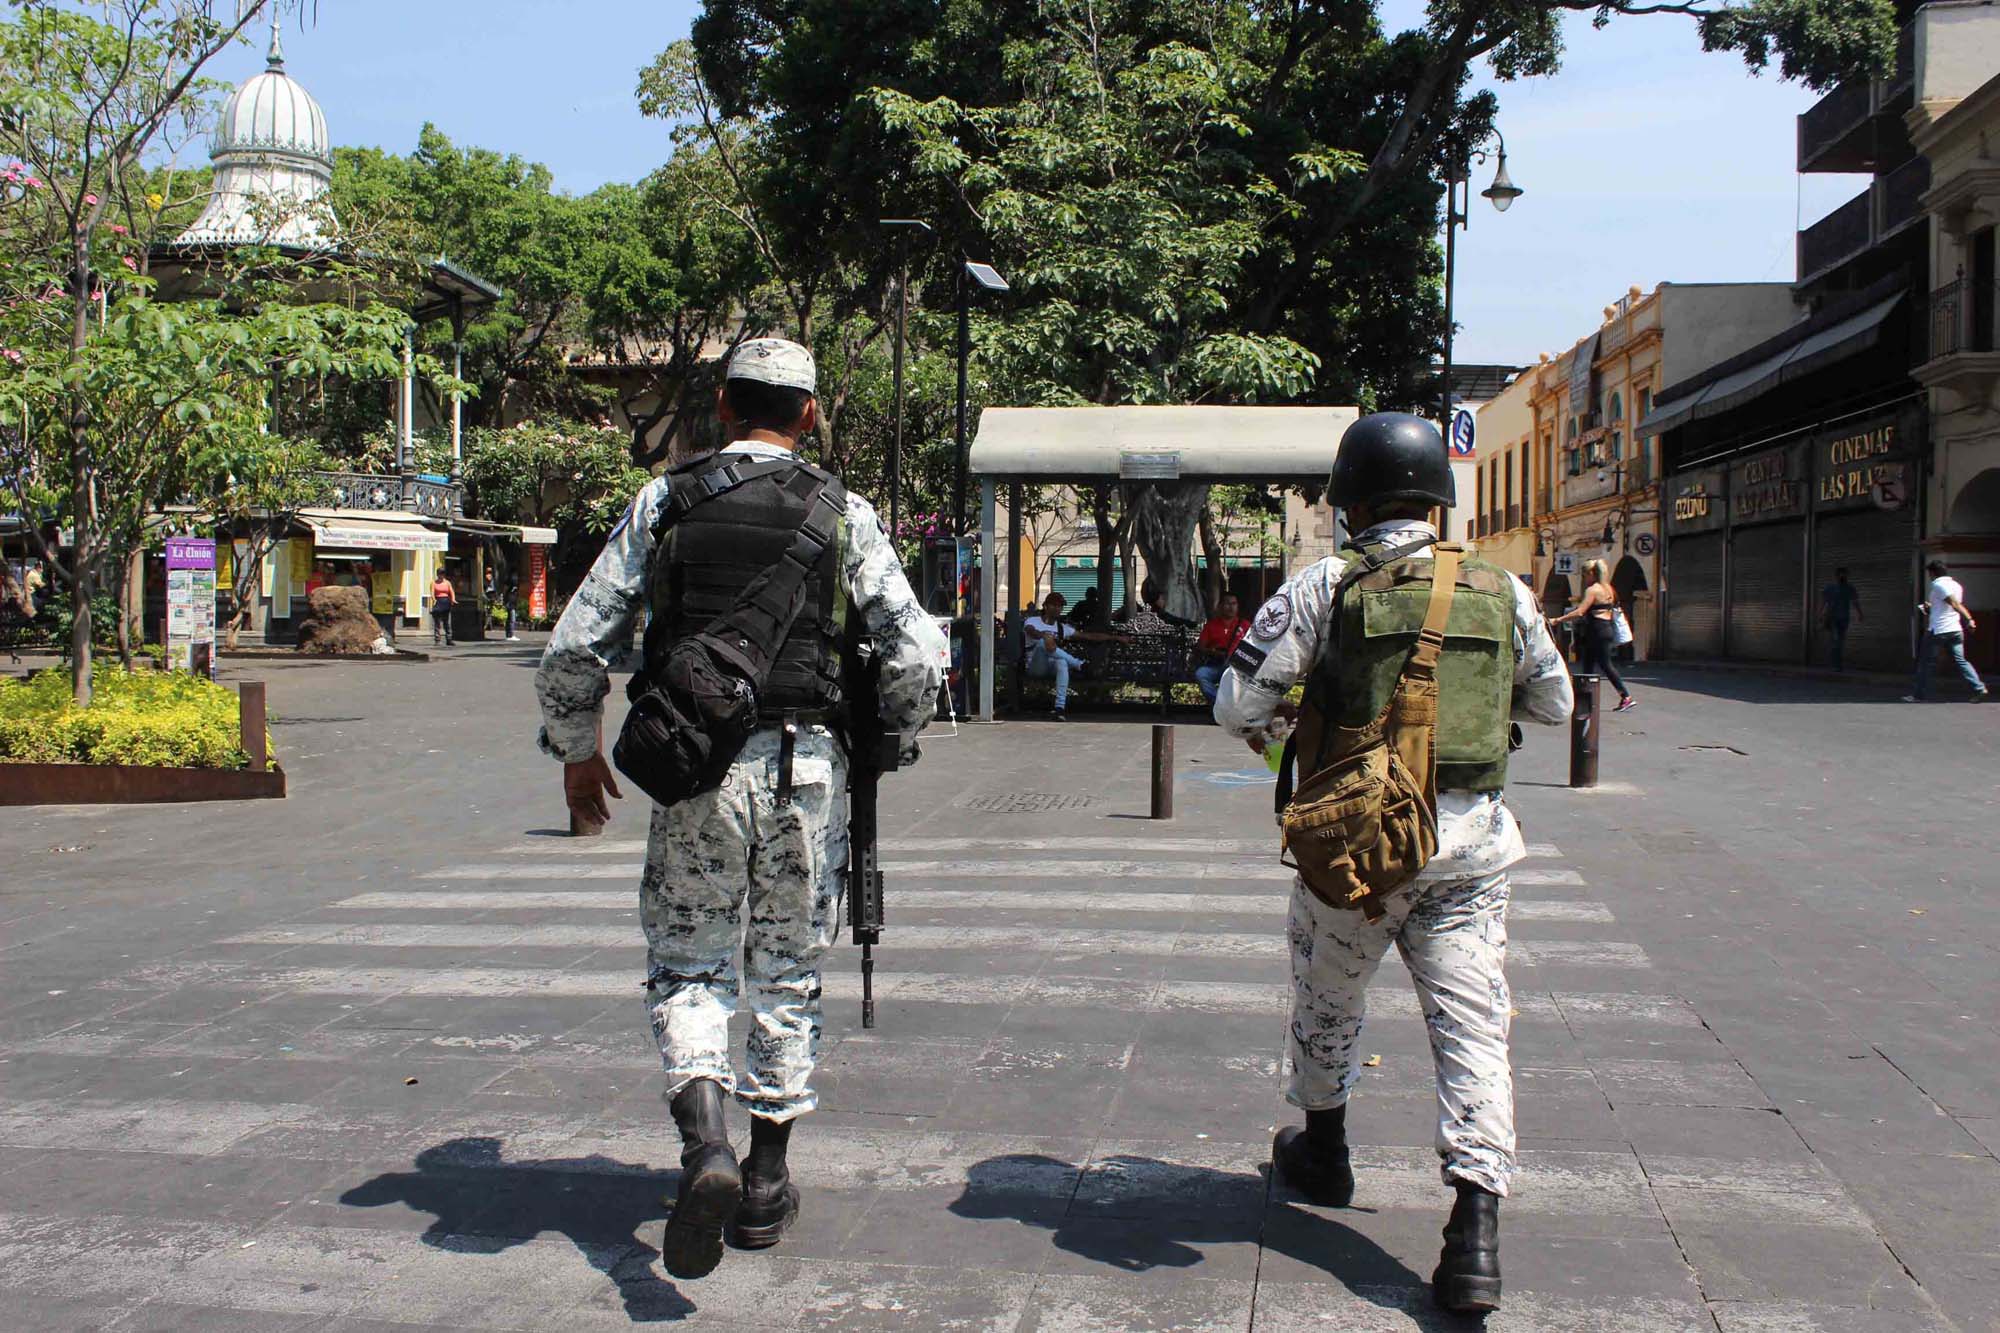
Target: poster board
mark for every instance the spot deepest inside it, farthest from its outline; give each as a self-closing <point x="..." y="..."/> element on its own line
<point x="191" y="605"/>
<point x="538" y="582"/>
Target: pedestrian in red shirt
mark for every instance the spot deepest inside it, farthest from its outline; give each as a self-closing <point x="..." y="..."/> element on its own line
<point x="1218" y="640"/>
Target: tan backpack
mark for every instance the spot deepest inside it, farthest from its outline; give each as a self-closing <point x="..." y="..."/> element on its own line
<point x="1365" y="823"/>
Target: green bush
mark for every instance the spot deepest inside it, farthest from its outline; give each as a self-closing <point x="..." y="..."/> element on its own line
<point x="163" y="719"/>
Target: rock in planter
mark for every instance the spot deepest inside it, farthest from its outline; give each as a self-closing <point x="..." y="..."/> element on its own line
<point x="338" y="621"/>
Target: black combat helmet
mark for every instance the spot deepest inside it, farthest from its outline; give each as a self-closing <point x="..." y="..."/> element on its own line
<point x="1391" y="456"/>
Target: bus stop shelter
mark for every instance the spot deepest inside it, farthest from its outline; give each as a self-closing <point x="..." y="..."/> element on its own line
<point x="1096" y="446"/>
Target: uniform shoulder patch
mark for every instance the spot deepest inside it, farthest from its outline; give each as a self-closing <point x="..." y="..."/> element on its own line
<point x="1273" y="618"/>
<point x="1248" y="657"/>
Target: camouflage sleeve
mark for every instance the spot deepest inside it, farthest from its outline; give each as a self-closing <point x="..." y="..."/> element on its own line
<point x="1541" y="680"/>
<point x="914" y="651"/>
<point x="595" y="627"/>
<point x="1283" y="643"/>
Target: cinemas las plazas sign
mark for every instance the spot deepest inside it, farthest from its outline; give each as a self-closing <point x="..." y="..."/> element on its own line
<point x="1753" y="539"/>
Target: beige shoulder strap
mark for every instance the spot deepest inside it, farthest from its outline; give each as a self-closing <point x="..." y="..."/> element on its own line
<point x="1430" y="640"/>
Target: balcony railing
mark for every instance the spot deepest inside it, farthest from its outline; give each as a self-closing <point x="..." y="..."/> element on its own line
<point x="1839" y="235"/>
<point x="409" y="495"/>
<point x="1899" y="196"/>
<point x="1831" y="118"/>
<point x="1833" y="133"/>
<point x="1962" y="318"/>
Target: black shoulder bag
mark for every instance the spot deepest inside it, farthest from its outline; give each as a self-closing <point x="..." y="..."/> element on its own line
<point x="698" y="706"/>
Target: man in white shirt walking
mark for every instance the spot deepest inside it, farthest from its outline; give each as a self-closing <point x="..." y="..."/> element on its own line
<point x="1945" y="626"/>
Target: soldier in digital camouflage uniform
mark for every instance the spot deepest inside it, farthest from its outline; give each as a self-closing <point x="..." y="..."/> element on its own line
<point x="782" y="855"/>
<point x="1450" y="923"/>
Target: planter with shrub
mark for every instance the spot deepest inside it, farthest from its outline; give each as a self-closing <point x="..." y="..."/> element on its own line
<point x="147" y="736"/>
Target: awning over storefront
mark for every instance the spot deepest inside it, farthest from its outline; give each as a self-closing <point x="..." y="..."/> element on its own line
<point x="1271" y="445"/>
<point x="1811" y="350"/>
<point x="525" y="533"/>
<point x="371" y="530"/>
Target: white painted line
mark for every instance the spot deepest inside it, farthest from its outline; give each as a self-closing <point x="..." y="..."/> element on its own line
<point x="591" y="900"/>
<point x="1072" y="873"/>
<point x="1577" y="953"/>
<point x="1037" y="869"/>
<point x="891" y="846"/>
<point x="1592" y="913"/>
<point x="996" y="939"/>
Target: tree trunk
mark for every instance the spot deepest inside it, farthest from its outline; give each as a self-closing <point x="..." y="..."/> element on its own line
<point x="127" y="613"/>
<point x="1107" y="552"/>
<point x="1216" y="577"/>
<point x="81" y="587"/>
<point x="1167" y="517"/>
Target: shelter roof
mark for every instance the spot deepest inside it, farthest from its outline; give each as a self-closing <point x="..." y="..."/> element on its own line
<point x="1200" y="443"/>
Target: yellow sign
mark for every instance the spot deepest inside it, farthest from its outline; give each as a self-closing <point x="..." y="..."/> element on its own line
<point x="302" y="560"/>
<point x="384" y="598"/>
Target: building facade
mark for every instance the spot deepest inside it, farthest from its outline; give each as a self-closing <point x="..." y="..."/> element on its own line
<point x="1814" y="451"/>
<point x="1960" y="137"/>
<point x="1565" y="475"/>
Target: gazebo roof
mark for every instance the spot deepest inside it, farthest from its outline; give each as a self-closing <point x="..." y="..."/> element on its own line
<point x="1214" y="444"/>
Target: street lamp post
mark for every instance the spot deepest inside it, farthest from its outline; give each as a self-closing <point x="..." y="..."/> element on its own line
<point x="986" y="279"/>
<point x="1501" y="193"/>
<point x="902" y="227"/>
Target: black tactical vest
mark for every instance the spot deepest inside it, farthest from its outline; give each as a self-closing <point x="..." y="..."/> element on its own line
<point x="710" y="553"/>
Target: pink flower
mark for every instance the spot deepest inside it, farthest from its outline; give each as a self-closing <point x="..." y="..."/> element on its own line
<point x="10" y="353"/>
<point x="117" y="229"/>
<point x="34" y="182"/>
<point x="130" y="263"/>
<point x="90" y="199"/>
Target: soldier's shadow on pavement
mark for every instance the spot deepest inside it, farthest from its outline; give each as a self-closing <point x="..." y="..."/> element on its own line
<point x="1139" y="1213"/>
<point x="485" y="1204"/>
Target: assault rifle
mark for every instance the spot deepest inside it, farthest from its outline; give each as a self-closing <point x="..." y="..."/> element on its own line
<point x="872" y="751"/>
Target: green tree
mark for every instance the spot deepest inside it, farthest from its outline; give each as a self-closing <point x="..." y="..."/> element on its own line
<point x="116" y="403"/>
<point x="574" y="478"/>
<point x="1196" y="199"/>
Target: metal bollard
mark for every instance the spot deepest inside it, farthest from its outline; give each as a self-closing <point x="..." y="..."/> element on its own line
<point x="250" y="722"/>
<point x="1163" y="771"/>
<point x="1583" y="732"/>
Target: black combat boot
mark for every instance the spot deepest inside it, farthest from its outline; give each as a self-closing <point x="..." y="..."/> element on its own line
<point x="770" y="1199"/>
<point x="1313" y="1160"/>
<point x="711" y="1183"/>
<point x="1467" y="1280"/>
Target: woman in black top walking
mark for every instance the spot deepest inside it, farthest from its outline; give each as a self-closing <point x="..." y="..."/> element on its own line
<point x="1599" y="613"/>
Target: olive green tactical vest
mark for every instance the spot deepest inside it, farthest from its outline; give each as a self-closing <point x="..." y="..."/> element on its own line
<point x="1380" y="615"/>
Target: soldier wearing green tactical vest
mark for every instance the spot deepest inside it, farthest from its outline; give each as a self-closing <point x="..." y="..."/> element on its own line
<point x="1347" y="626"/>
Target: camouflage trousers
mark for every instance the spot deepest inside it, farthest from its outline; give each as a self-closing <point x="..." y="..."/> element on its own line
<point x="1452" y="935"/>
<point x="710" y="860"/>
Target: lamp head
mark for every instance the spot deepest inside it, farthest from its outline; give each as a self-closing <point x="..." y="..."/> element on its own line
<point x="1502" y="192"/>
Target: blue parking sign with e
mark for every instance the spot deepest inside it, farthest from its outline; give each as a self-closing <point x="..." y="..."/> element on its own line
<point x="1461" y="433"/>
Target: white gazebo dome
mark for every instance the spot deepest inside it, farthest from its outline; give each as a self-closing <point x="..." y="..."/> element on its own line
<point x="273" y="165"/>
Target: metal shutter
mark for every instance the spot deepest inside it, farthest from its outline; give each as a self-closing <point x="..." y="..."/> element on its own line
<point x="1694" y="596"/>
<point x="1073" y="581"/>
<point x="1878" y="548"/>
<point x="1767" y="593"/>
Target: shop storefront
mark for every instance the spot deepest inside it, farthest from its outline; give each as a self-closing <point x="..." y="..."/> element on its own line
<point x="1753" y="541"/>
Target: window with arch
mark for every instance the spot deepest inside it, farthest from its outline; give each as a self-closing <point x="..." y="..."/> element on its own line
<point x="1572" y="429"/>
<point x="1615" y="408"/>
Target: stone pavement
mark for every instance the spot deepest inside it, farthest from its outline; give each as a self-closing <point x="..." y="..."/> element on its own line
<point x="376" y="1057"/>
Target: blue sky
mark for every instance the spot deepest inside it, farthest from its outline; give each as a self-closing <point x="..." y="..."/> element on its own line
<point x="1644" y="159"/>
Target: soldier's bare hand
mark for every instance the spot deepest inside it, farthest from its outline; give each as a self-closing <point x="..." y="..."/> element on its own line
<point x="584" y="788"/>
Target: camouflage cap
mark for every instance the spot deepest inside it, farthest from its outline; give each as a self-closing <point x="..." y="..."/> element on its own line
<point x="777" y="361"/>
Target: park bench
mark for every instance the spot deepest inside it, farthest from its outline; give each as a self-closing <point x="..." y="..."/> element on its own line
<point x="1148" y="659"/>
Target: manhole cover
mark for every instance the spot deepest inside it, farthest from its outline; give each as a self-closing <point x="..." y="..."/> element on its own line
<point x="1025" y="802"/>
<point x="1714" y="749"/>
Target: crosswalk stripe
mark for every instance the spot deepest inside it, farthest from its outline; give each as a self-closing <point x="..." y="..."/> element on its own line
<point x="1062" y="872"/>
<point x="890" y="847"/>
<point x="840" y="1156"/>
<point x="486" y="935"/>
<point x="929" y="987"/>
